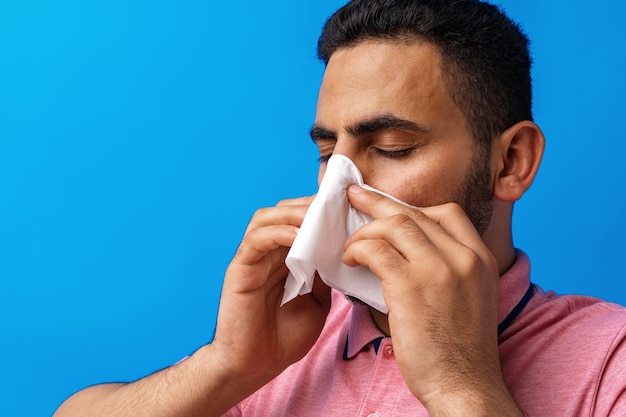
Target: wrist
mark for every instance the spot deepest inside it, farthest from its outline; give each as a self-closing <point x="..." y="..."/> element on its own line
<point x="495" y="401"/>
<point x="225" y="381"/>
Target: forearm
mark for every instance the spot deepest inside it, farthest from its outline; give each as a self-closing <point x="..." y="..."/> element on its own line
<point x="194" y="388"/>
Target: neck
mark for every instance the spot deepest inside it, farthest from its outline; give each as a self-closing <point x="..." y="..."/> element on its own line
<point x="499" y="236"/>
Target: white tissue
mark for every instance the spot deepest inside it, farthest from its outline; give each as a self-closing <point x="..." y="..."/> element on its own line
<point x="329" y="222"/>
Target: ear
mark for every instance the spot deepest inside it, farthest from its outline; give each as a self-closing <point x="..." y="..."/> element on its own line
<point x="516" y="157"/>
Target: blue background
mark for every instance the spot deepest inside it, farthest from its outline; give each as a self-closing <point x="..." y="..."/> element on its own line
<point x="138" y="137"/>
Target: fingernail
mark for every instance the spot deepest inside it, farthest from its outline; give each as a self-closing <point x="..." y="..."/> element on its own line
<point x="354" y="188"/>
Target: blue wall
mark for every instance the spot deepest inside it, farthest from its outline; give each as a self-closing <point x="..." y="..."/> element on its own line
<point x="137" y="138"/>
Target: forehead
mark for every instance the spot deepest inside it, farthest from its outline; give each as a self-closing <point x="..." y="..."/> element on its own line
<point x="388" y="60"/>
<point x="373" y="77"/>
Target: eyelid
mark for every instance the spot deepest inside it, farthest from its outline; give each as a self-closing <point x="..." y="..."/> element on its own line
<point x="395" y="153"/>
<point x="325" y="148"/>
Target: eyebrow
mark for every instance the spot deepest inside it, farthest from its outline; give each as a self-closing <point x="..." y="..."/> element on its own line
<point x="374" y="124"/>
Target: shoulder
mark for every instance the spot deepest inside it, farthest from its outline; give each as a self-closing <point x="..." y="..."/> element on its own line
<point x="576" y="314"/>
<point x="569" y="347"/>
<point x="580" y="325"/>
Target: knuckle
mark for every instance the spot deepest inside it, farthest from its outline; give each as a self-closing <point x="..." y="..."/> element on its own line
<point x="294" y="201"/>
<point x="446" y="275"/>
<point x="250" y="236"/>
<point x="408" y="226"/>
<point x="284" y="202"/>
<point x="454" y="208"/>
<point x="470" y="261"/>
<point x="402" y="220"/>
<point x="260" y="213"/>
<point x="257" y="218"/>
<point x="385" y="258"/>
<point x="380" y="252"/>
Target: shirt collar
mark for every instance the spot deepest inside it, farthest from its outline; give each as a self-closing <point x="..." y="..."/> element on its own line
<point x="512" y="286"/>
<point x="362" y="331"/>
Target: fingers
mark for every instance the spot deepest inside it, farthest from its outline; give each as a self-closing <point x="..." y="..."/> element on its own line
<point x="259" y="241"/>
<point x="261" y="254"/>
<point x="382" y="258"/>
<point x="289" y="212"/>
<point x="401" y="236"/>
<point x="279" y="215"/>
<point x="299" y="201"/>
<point x="399" y="232"/>
<point x="452" y="218"/>
<point x="438" y="223"/>
<point x="272" y="228"/>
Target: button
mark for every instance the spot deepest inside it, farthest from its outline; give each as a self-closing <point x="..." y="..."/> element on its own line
<point x="388" y="351"/>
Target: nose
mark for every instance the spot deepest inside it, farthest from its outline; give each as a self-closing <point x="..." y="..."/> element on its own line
<point x="349" y="147"/>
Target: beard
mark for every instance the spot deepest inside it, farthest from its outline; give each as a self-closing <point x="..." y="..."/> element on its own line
<point x="475" y="195"/>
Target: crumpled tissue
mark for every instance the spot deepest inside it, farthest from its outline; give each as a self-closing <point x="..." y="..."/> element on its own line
<point x="329" y="222"/>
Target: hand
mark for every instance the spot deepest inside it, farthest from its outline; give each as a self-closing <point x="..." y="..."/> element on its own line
<point x="256" y="339"/>
<point x="440" y="283"/>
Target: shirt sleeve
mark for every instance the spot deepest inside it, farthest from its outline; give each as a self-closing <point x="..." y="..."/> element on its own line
<point x="611" y="394"/>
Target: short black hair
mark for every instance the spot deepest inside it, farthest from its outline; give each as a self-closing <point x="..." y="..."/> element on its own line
<point x="485" y="58"/>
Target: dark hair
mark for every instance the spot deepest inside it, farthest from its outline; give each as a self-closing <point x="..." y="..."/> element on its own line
<point x="485" y="58"/>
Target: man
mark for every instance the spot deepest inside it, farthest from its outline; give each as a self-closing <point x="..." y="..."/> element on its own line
<point x="431" y="100"/>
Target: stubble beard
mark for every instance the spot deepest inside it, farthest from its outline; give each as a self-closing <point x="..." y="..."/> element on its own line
<point x="475" y="195"/>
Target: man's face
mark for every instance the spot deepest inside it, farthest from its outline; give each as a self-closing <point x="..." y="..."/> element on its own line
<point x="386" y="107"/>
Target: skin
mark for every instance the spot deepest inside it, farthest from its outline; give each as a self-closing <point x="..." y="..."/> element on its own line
<point x="385" y="106"/>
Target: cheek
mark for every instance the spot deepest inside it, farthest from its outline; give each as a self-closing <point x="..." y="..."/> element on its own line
<point x="407" y="188"/>
<point x="421" y="187"/>
<point x="413" y="192"/>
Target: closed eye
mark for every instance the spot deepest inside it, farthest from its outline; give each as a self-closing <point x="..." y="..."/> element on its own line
<point x="324" y="158"/>
<point x="392" y="153"/>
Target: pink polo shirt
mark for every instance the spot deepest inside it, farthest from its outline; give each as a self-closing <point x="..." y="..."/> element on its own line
<point x="561" y="356"/>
